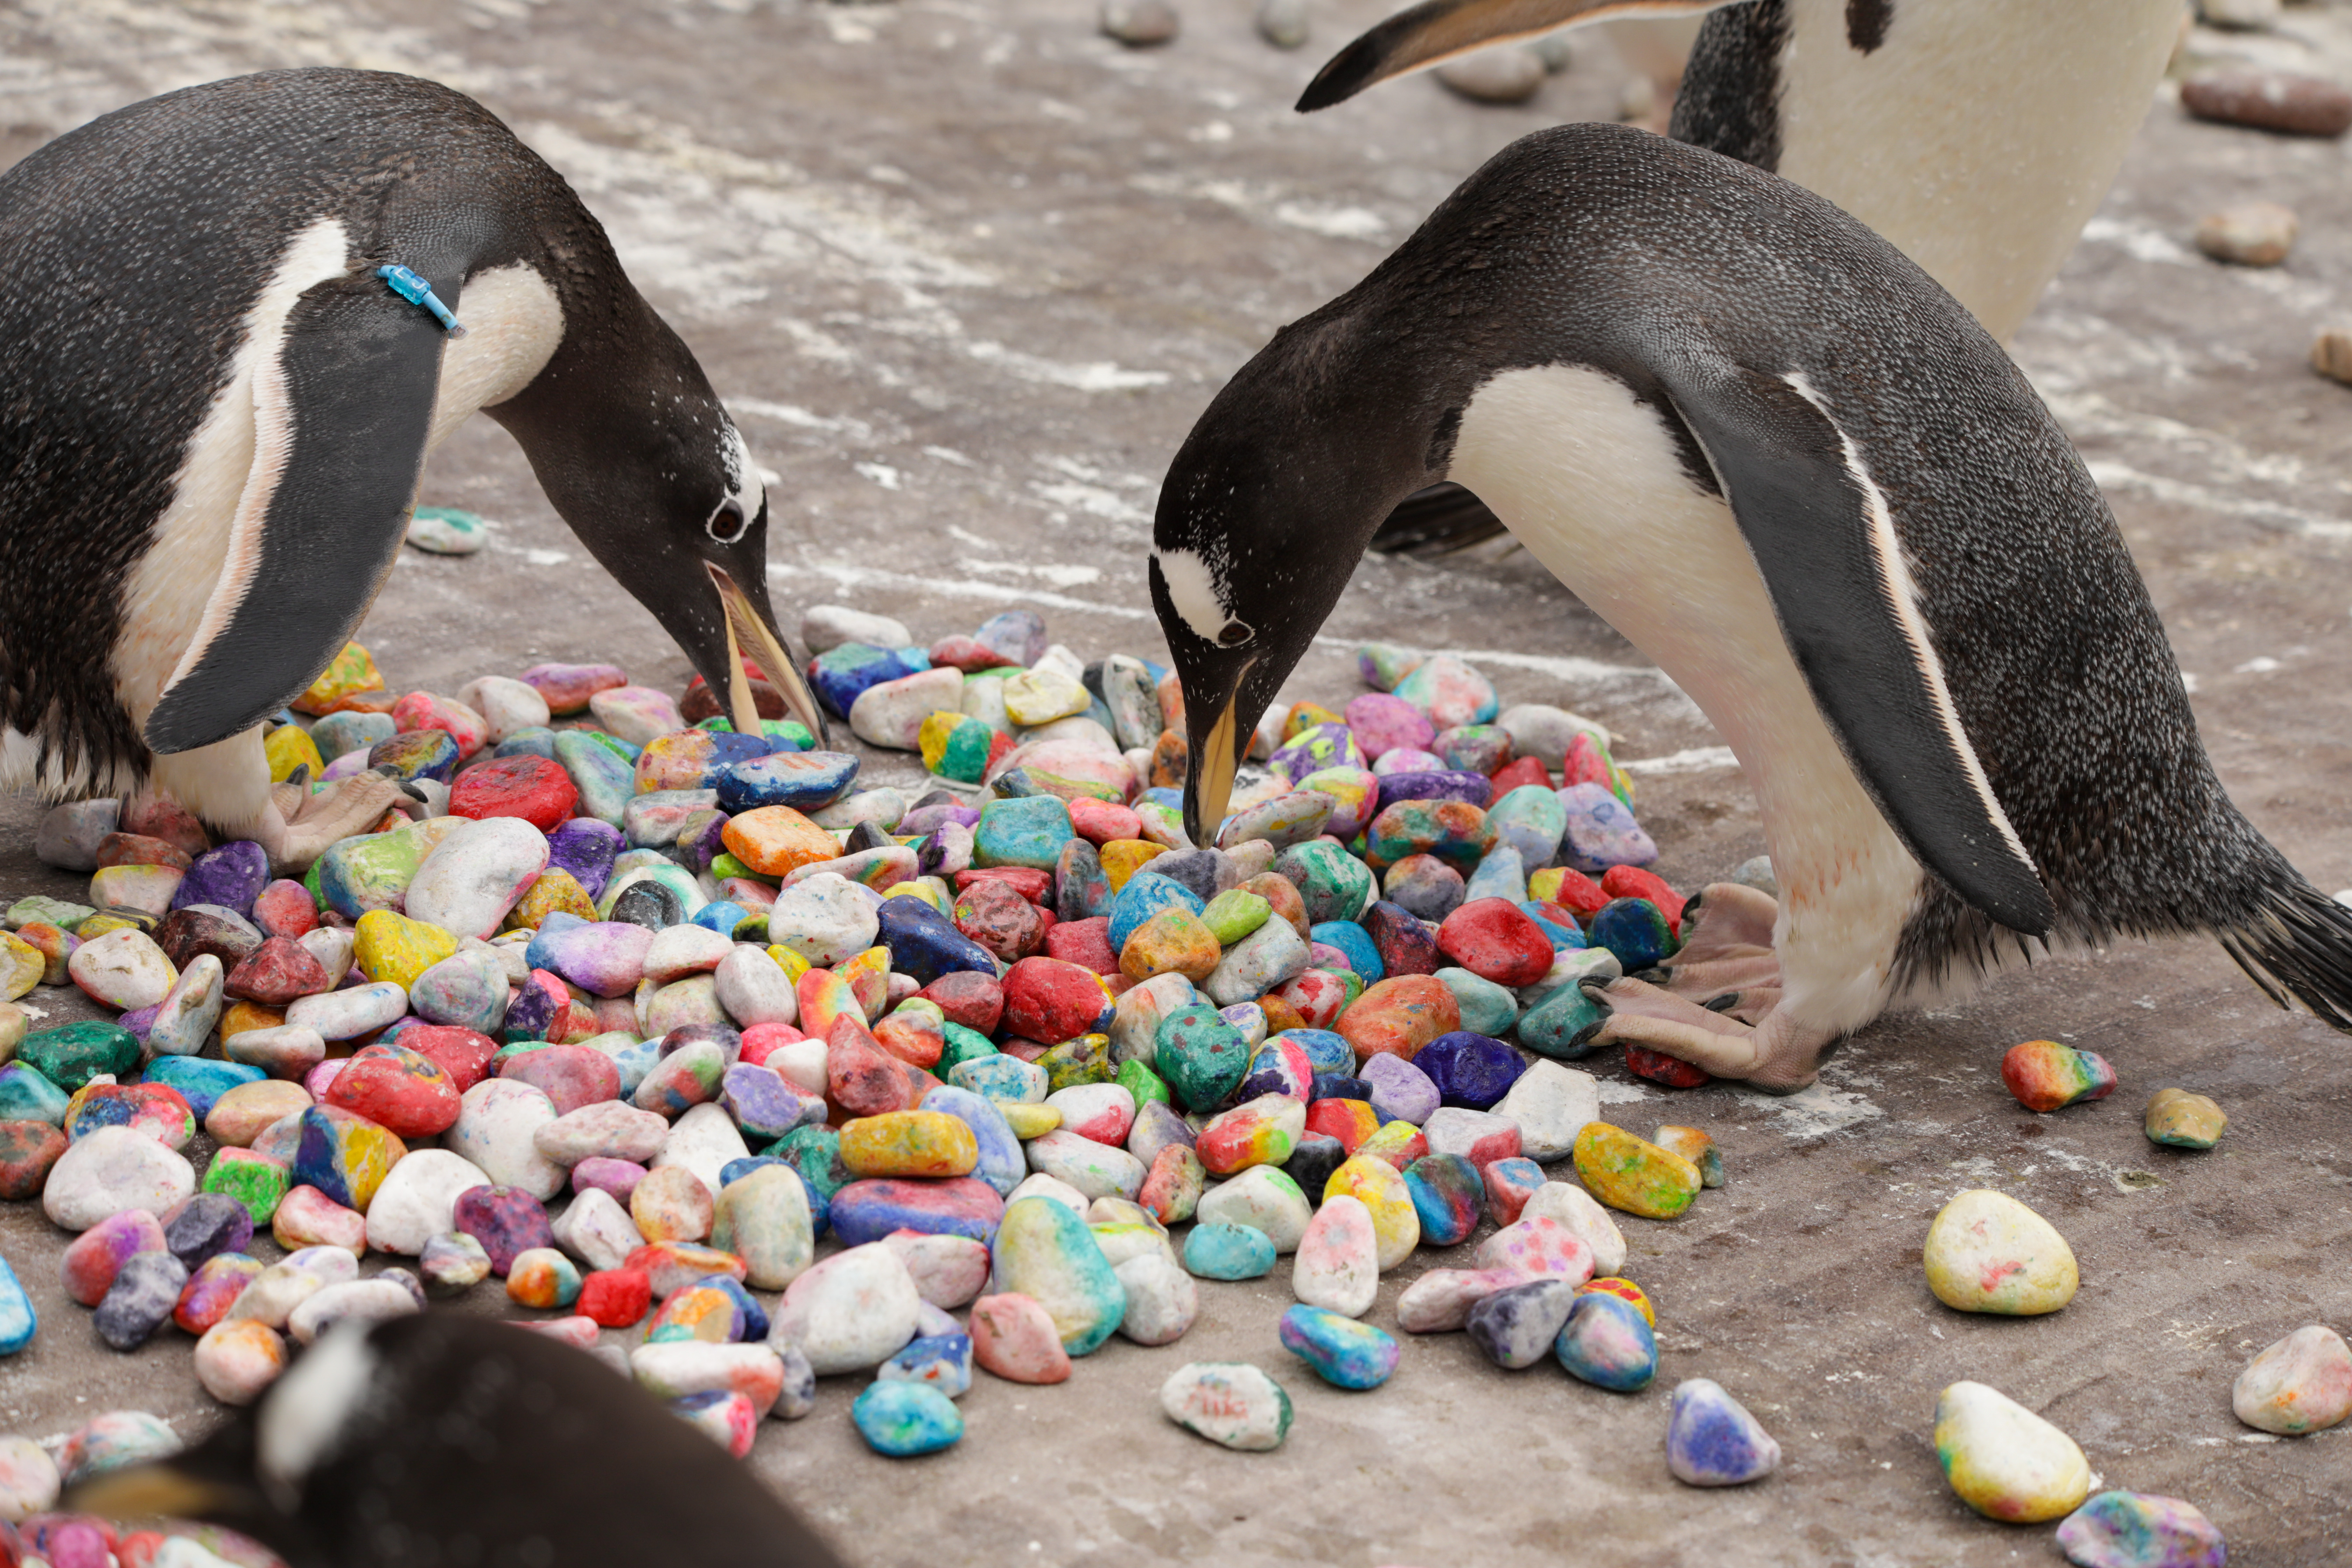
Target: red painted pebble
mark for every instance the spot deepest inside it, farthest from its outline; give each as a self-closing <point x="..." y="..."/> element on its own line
<point x="1494" y="939"/>
<point x="1099" y="821"/>
<point x="760" y="1039"/>
<point x="993" y="913"/>
<point x="970" y="998"/>
<point x="94" y="1258"/>
<point x="616" y="1297"/>
<point x="1660" y="1067"/>
<point x="1508" y="1188"/>
<point x="533" y="788"/>
<point x="1051" y="1001"/>
<point x="1030" y="884"/>
<point x="27" y="1149"/>
<point x="1350" y="1120"/>
<point x="1633" y="882"/>
<point x="1086" y="943"/>
<point x="285" y="908"/>
<point x="860" y="1077"/>
<point x="464" y="1054"/>
<point x="277" y="973"/>
<point x="1519" y="773"/>
<point x="398" y="1088"/>
<point x="572" y="1076"/>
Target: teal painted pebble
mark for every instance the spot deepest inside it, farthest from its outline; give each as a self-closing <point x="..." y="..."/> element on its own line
<point x="1228" y="1252"/>
<point x="1028" y="832"/>
<point x="903" y="1420"/>
<point x="1343" y="1351"/>
<point x="447" y="531"/>
<point x="25" y="1095"/>
<point x="1487" y="1009"/>
<point x="1005" y="1080"/>
<point x="1045" y="1252"/>
<point x="1562" y="1025"/>
<point x="1203" y="1058"/>
<point x="1607" y="1342"/>
<point x="18" y="1319"/>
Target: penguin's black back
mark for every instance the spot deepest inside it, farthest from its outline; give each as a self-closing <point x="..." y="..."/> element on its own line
<point x="134" y="248"/>
<point x="1604" y="246"/>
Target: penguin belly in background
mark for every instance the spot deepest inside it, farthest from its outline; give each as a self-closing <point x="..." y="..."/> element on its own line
<point x="220" y="407"/>
<point x="1797" y="474"/>
<point x="1979" y="136"/>
<point x="442" y="1439"/>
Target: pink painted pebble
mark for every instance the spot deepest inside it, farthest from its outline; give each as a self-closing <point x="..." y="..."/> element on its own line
<point x="1538" y="1246"/>
<point x="1014" y="1337"/>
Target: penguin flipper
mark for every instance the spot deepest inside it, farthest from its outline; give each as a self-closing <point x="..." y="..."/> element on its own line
<point x="1823" y="536"/>
<point x="341" y="412"/>
<point x="1436" y="520"/>
<point x="1437" y="30"/>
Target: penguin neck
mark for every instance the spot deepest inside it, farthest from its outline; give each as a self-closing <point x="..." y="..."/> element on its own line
<point x="1978" y="137"/>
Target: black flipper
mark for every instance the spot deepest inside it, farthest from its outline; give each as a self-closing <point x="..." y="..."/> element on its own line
<point x="1437" y="520"/>
<point x="344" y="414"/>
<point x="1826" y="543"/>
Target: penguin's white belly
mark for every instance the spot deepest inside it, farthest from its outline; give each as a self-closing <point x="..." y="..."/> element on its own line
<point x="1980" y="136"/>
<point x="1591" y="483"/>
<point x="206" y="543"/>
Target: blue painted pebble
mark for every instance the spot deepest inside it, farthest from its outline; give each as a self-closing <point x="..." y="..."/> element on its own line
<point x="903" y="1420"/>
<point x="1145" y="895"/>
<point x="1470" y="1070"/>
<point x="1355" y="941"/>
<point x="1328" y="1051"/>
<point x="926" y="944"/>
<point x="200" y="1079"/>
<point x="1344" y="1352"/>
<point x="18" y="1322"/>
<point x="940" y="1361"/>
<point x="1002" y="1165"/>
<point x="1712" y="1441"/>
<point x="1228" y="1252"/>
<point x="1312" y="1160"/>
<point x="1028" y="833"/>
<point x="806" y="781"/>
<point x="1634" y="930"/>
<point x="1607" y="1342"/>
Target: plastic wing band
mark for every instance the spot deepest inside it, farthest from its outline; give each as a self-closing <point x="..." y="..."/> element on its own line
<point x="417" y="292"/>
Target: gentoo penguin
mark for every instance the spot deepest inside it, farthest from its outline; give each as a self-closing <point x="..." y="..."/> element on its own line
<point x="440" y="1439"/>
<point x="1775" y="455"/>
<point x="226" y="347"/>
<point x="1977" y="135"/>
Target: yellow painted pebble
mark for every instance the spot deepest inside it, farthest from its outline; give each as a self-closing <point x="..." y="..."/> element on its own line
<point x="1173" y="941"/>
<point x="2003" y="1460"/>
<point x="1123" y="858"/>
<point x="909" y="1143"/>
<point x="288" y="747"/>
<point x="1379" y="1187"/>
<point x="1029" y="1121"/>
<point x="393" y="947"/>
<point x="2181" y="1120"/>
<point x="1633" y="1174"/>
<point x="1986" y="1252"/>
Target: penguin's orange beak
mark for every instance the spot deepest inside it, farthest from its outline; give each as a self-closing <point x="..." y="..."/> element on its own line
<point x="748" y="633"/>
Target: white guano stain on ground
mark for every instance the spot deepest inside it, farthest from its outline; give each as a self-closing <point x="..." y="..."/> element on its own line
<point x="1814" y="1112"/>
<point x="1696" y="760"/>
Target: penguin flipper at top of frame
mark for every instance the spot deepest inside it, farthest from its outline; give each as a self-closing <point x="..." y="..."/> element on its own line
<point x="1437" y="30"/>
<point x="340" y="420"/>
<point x="1826" y="541"/>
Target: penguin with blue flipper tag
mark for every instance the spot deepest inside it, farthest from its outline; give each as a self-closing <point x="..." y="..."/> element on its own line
<point x="231" y="337"/>
<point x="1791" y="468"/>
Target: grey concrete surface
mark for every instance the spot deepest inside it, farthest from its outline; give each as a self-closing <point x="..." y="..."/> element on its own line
<point x="967" y="272"/>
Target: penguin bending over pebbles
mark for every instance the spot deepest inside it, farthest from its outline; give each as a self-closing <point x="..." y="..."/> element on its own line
<point x="1793" y="471"/>
<point x="444" y="1439"/>
<point x="225" y="358"/>
<point x="1976" y="135"/>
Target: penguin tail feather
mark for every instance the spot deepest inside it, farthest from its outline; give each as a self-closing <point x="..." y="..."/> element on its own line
<point x="2298" y="946"/>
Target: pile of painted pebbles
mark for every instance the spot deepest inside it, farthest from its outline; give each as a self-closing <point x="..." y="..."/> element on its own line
<point x="651" y="1020"/>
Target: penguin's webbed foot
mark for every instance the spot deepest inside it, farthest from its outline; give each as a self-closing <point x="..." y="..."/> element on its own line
<point x="1775" y="1053"/>
<point x="298" y="826"/>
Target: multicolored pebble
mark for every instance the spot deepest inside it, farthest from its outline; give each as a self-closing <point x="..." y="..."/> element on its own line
<point x="1342" y="1352"/>
<point x="1231" y="1404"/>
<point x="2003" y="1460"/>
<point x="2136" y="1530"/>
<point x="1448" y="1195"/>
<point x="1986" y="1252"/>
<point x="1608" y="1342"/>
<point x="1380" y="1186"/>
<point x="1046" y="1253"/>
<point x="2181" y="1120"/>
<point x="2045" y="1076"/>
<point x="543" y="1279"/>
<point x="902" y="1420"/>
<point x="2302" y="1383"/>
<point x="1629" y="1173"/>
<point x="1713" y="1441"/>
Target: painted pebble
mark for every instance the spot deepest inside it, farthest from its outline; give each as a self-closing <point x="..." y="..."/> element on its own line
<point x="1986" y="1252"/>
<point x="1713" y="1441"/>
<point x="1231" y="1404"/>
<point x="2005" y="1461"/>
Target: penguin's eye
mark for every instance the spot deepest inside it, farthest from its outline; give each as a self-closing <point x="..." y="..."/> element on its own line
<point x="728" y="524"/>
<point x="1234" y="634"/>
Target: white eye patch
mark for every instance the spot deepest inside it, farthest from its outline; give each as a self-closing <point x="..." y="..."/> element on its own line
<point x="728" y="524"/>
<point x="1193" y="589"/>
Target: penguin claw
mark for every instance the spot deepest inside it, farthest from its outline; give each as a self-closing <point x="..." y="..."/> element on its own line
<point x="298" y="826"/>
<point x="1774" y="1053"/>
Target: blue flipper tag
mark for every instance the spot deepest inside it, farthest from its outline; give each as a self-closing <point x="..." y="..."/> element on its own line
<point x="417" y="292"/>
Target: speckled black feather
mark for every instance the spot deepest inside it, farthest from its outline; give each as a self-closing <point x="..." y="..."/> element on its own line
<point x="1603" y="246"/>
<point x="134" y="248"/>
<point x="478" y="1443"/>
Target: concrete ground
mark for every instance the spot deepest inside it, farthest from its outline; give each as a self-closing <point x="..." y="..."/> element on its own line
<point x="966" y="273"/>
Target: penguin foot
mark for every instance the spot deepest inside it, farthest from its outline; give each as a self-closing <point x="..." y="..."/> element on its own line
<point x="297" y="825"/>
<point x="1727" y="963"/>
<point x="1775" y="1054"/>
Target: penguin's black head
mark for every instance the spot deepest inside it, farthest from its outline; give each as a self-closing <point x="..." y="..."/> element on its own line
<point x="1262" y="519"/>
<point x="442" y="1439"/>
<point x="650" y="472"/>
